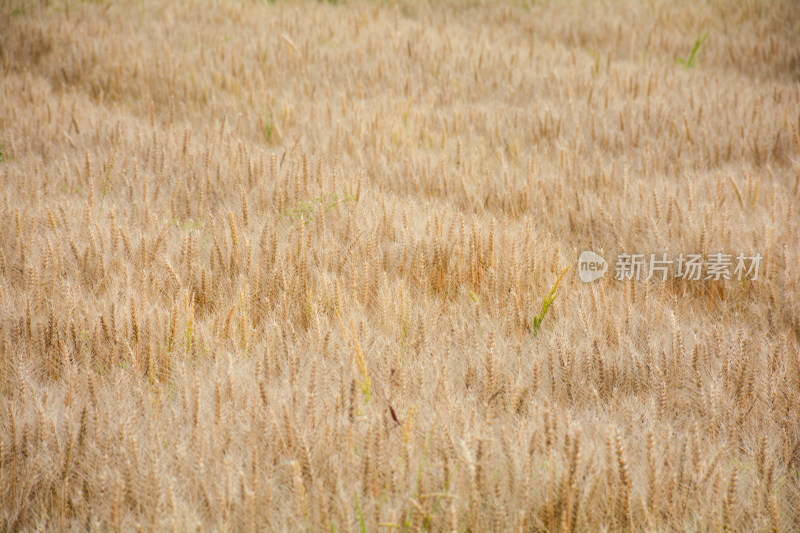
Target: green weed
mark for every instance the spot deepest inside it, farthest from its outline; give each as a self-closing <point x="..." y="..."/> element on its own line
<point x="548" y="301"/>
<point x="268" y="132"/>
<point x="691" y="61"/>
<point x="308" y="210"/>
<point x="361" y="521"/>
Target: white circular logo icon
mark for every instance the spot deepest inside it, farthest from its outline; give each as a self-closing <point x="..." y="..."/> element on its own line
<point x="591" y="266"/>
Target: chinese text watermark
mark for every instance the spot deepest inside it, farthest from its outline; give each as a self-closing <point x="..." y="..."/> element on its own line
<point x="660" y="267"/>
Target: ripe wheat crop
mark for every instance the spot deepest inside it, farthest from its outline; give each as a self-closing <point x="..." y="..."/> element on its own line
<point x="305" y="266"/>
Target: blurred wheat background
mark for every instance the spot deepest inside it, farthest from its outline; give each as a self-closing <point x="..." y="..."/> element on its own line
<point x="276" y="266"/>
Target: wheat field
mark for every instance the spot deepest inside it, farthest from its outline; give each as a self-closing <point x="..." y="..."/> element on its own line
<point x="287" y="266"/>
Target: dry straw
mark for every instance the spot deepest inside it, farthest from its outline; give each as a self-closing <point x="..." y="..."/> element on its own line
<point x="294" y="279"/>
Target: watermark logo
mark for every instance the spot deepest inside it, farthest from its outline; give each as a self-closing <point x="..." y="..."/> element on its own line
<point x="691" y="267"/>
<point x="591" y="266"/>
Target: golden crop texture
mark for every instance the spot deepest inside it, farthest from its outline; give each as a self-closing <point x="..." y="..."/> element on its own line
<point x="292" y="266"/>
